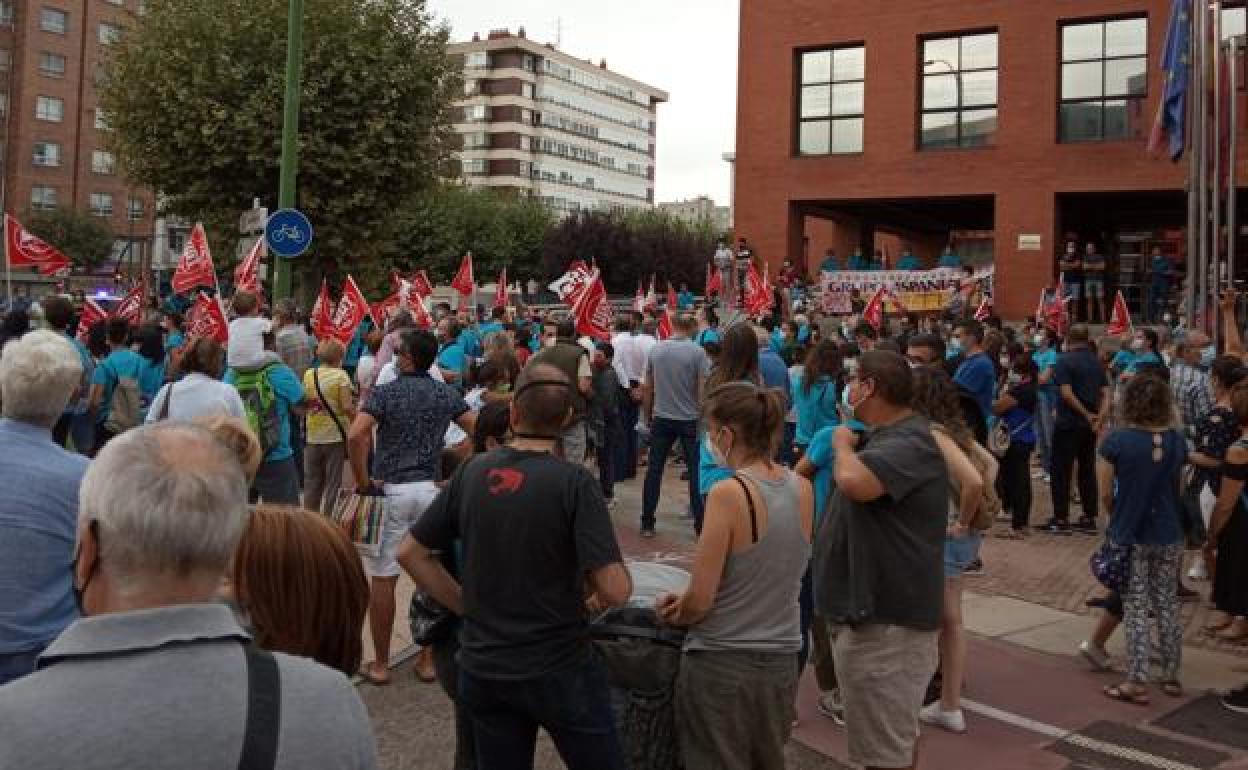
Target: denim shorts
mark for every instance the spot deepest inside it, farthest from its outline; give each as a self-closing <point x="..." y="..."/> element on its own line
<point x="960" y="552"/>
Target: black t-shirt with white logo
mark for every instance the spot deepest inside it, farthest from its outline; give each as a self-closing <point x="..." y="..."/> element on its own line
<point x="531" y="527"/>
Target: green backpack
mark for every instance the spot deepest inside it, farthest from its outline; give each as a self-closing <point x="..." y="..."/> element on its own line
<point x="260" y="406"/>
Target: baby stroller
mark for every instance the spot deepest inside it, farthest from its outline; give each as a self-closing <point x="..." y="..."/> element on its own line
<point x="643" y="657"/>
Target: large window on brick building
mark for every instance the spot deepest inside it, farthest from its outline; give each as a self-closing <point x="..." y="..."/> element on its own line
<point x="959" y="106"/>
<point x="1104" y="80"/>
<point x="831" y="95"/>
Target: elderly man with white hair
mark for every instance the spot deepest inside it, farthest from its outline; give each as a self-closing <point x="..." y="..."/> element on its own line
<point x="158" y="673"/>
<point x="38" y="374"/>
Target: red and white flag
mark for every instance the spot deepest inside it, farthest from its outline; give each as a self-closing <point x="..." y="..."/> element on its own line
<point x="652" y="298"/>
<point x="23" y="248"/>
<point x="570" y="286"/>
<point x="664" y="330"/>
<point x="131" y="306"/>
<point x="421" y="283"/>
<point x="984" y="311"/>
<point x="91" y="315"/>
<point x="1056" y="315"/>
<point x="757" y="292"/>
<point x="714" y="281"/>
<point x="351" y="310"/>
<point x="322" y="317"/>
<point x="1120" y="318"/>
<point x="500" y="293"/>
<point x="639" y="302"/>
<point x="464" y="282"/>
<point x="592" y="310"/>
<point x="873" y="313"/>
<point x="207" y="319"/>
<point x="673" y="303"/>
<point x="195" y="268"/>
<point x="247" y="274"/>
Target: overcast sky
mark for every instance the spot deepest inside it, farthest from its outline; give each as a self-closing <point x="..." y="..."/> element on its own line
<point x="685" y="47"/>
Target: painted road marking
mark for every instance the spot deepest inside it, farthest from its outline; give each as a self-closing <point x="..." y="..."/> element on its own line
<point x="1073" y="738"/>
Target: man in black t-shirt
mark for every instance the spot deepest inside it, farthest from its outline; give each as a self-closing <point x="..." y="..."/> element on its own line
<point x="535" y="539"/>
<point x="1082" y="406"/>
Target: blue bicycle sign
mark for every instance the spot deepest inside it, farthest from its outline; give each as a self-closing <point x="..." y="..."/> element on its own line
<point x="288" y="233"/>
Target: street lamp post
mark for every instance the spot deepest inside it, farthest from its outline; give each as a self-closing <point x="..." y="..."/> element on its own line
<point x="957" y="107"/>
<point x="290" y="136"/>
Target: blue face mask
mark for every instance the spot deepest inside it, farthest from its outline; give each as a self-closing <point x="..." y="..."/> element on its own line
<point x="955" y="347"/>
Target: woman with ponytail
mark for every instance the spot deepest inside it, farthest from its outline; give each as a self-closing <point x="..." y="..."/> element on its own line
<point x="741" y="605"/>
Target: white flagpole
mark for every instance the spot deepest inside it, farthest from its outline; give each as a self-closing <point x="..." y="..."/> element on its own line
<point x="1232" y="208"/>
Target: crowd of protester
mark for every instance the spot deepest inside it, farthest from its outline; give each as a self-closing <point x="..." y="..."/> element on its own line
<point x="170" y="500"/>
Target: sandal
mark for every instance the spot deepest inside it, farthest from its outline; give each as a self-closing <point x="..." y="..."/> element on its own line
<point x="373" y="679"/>
<point x="1238" y="637"/>
<point x="1173" y="688"/>
<point x="1127" y="693"/>
<point x="1012" y="534"/>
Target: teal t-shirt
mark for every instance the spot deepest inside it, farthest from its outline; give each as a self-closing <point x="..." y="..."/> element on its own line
<point x="908" y="262"/>
<point x="126" y="364"/>
<point x="816" y="408"/>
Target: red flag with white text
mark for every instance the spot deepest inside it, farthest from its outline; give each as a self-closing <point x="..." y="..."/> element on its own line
<point x="639" y="301"/>
<point x="91" y="315"/>
<point x="652" y="298"/>
<point x="500" y="293"/>
<point x="1120" y="318"/>
<point x="672" y="302"/>
<point x="757" y="294"/>
<point x="322" y="316"/>
<point x="984" y="310"/>
<point x="207" y="319"/>
<point x="664" y="330"/>
<point x="592" y="310"/>
<point x="351" y="310"/>
<point x="421" y="283"/>
<point x="570" y="286"/>
<point x="131" y="306"/>
<point x="873" y="313"/>
<point x="464" y="282"/>
<point x="247" y="274"/>
<point x="195" y="268"/>
<point x="23" y="248"/>
<point x="714" y="281"/>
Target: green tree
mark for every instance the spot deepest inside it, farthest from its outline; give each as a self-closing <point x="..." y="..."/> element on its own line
<point x="499" y="228"/>
<point x="194" y="91"/>
<point x="87" y="240"/>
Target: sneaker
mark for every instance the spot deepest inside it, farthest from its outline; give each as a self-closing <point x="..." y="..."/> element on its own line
<point x="1085" y="526"/>
<point x="974" y="568"/>
<point x="1057" y="527"/>
<point x="647" y="532"/>
<point x="610" y="502"/>
<point x="830" y="706"/>
<point x="1048" y="479"/>
<point x="1237" y="700"/>
<point x="1096" y="657"/>
<point x="1198" y="571"/>
<point x="933" y="714"/>
<point x="1038" y="473"/>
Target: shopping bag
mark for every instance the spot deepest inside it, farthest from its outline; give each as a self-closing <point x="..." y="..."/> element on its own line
<point x="362" y="517"/>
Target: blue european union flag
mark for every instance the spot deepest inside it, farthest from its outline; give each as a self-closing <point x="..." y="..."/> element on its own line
<point x="1176" y="62"/>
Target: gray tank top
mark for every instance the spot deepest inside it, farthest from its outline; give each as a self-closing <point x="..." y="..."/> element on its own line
<point x="756" y="606"/>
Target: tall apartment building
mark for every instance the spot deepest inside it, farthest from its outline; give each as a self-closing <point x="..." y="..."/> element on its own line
<point x="570" y="132"/>
<point x="701" y="209"/>
<point x="1006" y="126"/>
<point x="54" y="148"/>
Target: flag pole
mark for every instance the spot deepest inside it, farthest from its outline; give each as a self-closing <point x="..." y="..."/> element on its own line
<point x="8" y="265"/>
<point x="1202" y="129"/>
<point x="1193" y="164"/>
<point x="1233" y="154"/>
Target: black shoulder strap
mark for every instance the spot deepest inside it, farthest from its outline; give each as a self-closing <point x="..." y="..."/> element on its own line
<point x="749" y="500"/>
<point x="316" y="380"/>
<point x="264" y="710"/>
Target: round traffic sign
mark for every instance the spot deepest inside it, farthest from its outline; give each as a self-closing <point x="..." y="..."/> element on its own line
<point x="288" y="233"/>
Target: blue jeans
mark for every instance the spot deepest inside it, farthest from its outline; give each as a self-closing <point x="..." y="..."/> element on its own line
<point x="17" y="665"/>
<point x="664" y="433"/>
<point x="1045" y="415"/>
<point x="573" y="705"/>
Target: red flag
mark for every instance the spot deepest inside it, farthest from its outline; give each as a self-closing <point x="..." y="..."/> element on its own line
<point x="131" y="306"/>
<point x="247" y="274"/>
<point x="984" y="310"/>
<point x="464" y="282"/>
<point x="195" y="268"/>
<point x="714" y="281"/>
<point x="322" y="314"/>
<point x="1040" y="308"/>
<point x="23" y="248"/>
<point x="672" y="302"/>
<point x="757" y="292"/>
<point x="572" y="285"/>
<point x="91" y="315"/>
<point x="381" y="311"/>
<point x="639" y="302"/>
<point x="592" y="310"/>
<point x="351" y="310"/>
<point x="665" y="325"/>
<point x="207" y="319"/>
<point x="500" y="294"/>
<point x="1056" y="315"/>
<point x="421" y="284"/>
<point x="873" y="313"/>
<point x="1120" y="318"/>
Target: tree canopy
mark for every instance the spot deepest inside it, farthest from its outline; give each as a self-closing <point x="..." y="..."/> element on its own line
<point x="87" y="240"/>
<point x="193" y="94"/>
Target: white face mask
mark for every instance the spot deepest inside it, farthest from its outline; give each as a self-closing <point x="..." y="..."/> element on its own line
<point x="1139" y="345"/>
<point x="1040" y="340"/>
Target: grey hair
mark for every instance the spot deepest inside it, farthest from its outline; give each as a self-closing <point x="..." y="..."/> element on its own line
<point x="169" y="500"/>
<point x="39" y="372"/>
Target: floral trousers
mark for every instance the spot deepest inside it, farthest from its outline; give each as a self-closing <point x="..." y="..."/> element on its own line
<point x="1152" y="587"/>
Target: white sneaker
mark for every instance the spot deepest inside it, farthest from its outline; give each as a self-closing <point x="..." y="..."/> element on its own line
<point x="1198" y="571"/>
<point x="1038" y="473"/>
<point x="933" y="714"/>
<point x="1096" y="657"/>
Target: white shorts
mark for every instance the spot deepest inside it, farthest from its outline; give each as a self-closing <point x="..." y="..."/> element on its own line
<point x="407" y="503"/>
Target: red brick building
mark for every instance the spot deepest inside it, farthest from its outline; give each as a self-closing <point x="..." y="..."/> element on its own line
<point x="1001" y="125"/>
<point x="55" y="140"/>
